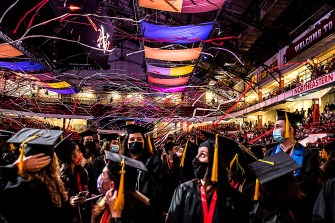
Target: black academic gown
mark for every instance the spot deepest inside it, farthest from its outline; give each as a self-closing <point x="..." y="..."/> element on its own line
<point x="309" y="175"/>
<point x="186" y="205"/>
<point x="25" y="201"/>
<point x="270" y="211"/>
<point x="149" y="183"/>
<point x="324" y="208"/>
<point x="170" y="178"/>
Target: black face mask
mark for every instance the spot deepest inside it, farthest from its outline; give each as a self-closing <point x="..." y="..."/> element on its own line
<point x="199" y="168"/>
<point x="90" y="145"/>
<point x="135" y="147"/>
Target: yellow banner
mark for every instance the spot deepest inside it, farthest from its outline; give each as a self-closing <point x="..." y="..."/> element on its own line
<point x="179" y="71"/>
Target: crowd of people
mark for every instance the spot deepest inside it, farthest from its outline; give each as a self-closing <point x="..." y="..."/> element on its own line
<point x="189" y="177"/>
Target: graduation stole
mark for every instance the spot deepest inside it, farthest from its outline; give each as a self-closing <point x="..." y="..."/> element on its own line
<point x="208" y="217"/>
<point x="297" y="153"/>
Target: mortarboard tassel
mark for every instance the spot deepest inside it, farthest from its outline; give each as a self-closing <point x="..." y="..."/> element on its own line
<point x="22" y="152"/>
<point x="119" y="202"/>
<point x="214" y="177"/>
<point x="196" y="139"/>
<point x="184" y="155"/>
<point x="150" y="145"/>
<point x="256" y="193"/>
<point x="287" y="127"/>
<point x="11" y="147"/>
<point x="238" y="165"/>
<point x="324" y="154"/>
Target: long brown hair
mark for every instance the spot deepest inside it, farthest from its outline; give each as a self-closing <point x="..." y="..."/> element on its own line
<point x="50" y="177"/>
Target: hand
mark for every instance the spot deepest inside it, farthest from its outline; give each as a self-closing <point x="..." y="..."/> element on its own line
<point x="35" y="162"/>
<point x="75" y="200"/>
<point x="110" y="198"/>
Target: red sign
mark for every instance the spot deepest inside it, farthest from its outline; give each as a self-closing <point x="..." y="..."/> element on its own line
<point x="318" y="82"/>
<point x="311" y="38"/>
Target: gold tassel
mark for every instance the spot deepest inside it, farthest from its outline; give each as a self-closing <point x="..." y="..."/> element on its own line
<point x="20" y="166"/>
<point x="232" y="162"/>
<point x="11" y="147"/>
<point x="196" y="139"/>
<point x="119" y="202"/>
<point x="256" y="194"/>
<point x="150" y="145"/>
<point x="287" y="127"/>
<point x="184" y="155"/>
<point x="324" y="154"/>
<point x="238" y="165"/>
<point x="214" y="177"/>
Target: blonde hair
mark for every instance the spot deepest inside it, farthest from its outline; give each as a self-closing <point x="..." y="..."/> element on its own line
<point x="50" y="177"/>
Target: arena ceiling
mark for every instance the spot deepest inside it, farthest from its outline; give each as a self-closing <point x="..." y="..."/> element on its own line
<point x="101" y="45"/>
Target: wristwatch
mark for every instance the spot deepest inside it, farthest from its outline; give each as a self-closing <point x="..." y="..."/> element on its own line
<point x="116" y="220"/>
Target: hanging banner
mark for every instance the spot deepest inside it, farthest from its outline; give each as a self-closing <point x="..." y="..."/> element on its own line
<point x="177" y="34"/>
<point x="172" y="55"/>
<point x="175" y="71"/>
<point x="186" y="6"/>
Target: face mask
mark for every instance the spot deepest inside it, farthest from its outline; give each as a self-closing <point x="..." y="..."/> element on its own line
<point x="78" y="159"/>
<point x="199" y="168"/>
<point x="135" y="147"/>
<point x="115" y="148"/>
<point x="277" y="136"/>
<point x="102" y="184"/>
<point x="90" y="145"/>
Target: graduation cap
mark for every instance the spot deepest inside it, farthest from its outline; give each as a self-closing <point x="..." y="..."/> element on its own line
<point x="169" y="146"/>
<point x="124" y="163"/>
<point x="64" y="149"/>
<point x="230" y="149"/>
<point x="132" y="128"/>
<point x="219" y="145"/>
<point x="109" y="136"/>
<point x="273" y="167"/>
<point x="291" y="119"/>
<point x="117" y="158"/>
<point x="87" y="133"/>
<point x="34" y="141"/>
<point x="4" y="134"/>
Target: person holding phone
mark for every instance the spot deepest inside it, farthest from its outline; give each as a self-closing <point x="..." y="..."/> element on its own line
<point x="75" y="179"/>
<point x="30" y="189"/>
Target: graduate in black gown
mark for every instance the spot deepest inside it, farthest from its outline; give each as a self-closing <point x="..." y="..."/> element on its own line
<point x="122" y="203"/>
<point x="309" y="174"/>
<point x="209" y="197"/>
<point x="110" y="143"/>
<point x="30" y="189"/>
<point x="139" y="147"/>
<point x="324" y="207"/>
<point x="280" y="196"/>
